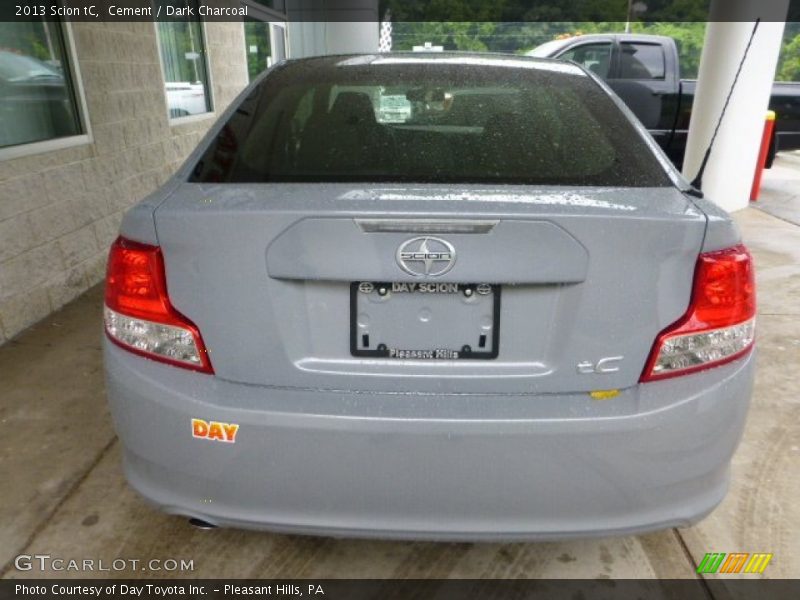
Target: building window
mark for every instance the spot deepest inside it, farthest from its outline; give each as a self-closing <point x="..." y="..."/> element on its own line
<point x="265" y="45"/>
<point x="183" y="58"/>
<point x="264" y="35"/>
<point x="38" y="101"/>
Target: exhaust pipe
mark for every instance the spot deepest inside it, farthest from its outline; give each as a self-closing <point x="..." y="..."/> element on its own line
<point x="200" y="524"/>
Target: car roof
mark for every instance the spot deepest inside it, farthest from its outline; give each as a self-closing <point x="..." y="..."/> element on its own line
<point x="467" y="59"/>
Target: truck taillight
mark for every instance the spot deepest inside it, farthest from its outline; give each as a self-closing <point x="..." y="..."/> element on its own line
<point x="719" y="325"/>
<point x="138" y="314"/>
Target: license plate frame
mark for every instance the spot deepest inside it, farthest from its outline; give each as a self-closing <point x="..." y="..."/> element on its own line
<point x="381" y="349"/>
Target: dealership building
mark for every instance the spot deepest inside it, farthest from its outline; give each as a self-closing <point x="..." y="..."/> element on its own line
<point x="110" y="112"/>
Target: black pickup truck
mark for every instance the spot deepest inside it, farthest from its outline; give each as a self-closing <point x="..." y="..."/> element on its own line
<point x="644" y="71"/>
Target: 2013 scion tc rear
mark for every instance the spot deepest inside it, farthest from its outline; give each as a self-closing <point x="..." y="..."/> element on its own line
<point x="429" y="296"/>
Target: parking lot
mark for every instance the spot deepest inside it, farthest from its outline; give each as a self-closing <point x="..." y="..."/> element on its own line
<point x="69" y="498"/>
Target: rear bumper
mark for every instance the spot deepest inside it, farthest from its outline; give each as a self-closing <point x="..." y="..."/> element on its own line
<point x="430" y="466"/>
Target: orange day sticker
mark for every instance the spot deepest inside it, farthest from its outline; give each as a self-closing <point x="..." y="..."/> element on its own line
<point x="214" y="430"/>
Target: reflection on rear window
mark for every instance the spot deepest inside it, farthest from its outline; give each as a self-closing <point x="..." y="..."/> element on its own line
<point x="336" y="120"/>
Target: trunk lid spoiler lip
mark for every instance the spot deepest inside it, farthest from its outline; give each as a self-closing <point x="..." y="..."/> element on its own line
<point x="434" y="201"/>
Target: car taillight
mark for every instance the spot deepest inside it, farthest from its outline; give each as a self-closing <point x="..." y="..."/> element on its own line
<point x="720" y="323"/>
<point x="138" y="314"/>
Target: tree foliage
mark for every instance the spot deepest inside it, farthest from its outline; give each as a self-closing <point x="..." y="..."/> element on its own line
<point x="789" y="62"/>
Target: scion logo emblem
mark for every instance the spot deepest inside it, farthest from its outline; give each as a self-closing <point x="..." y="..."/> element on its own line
<point x="426" y="256"/>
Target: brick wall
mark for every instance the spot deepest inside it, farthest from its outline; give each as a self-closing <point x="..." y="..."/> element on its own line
<point x="60" y="211"/>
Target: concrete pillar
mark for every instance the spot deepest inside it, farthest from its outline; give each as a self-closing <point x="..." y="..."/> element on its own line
<point x="729" y="173"/>
<point x="348" y="26"/>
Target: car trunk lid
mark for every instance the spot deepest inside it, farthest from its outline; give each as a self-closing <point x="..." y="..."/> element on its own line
<point x="581" y="281"/>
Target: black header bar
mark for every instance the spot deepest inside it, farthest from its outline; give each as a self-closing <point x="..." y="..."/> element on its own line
<point x="507" y="11"/>
<point x="378" y="589"/>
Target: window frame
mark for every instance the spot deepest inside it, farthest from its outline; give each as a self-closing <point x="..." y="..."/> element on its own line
<point x="211" y="114"/>
<point x="62" y="143"/>
<point x="274" y="26"/>
<point x="276" y="21"/>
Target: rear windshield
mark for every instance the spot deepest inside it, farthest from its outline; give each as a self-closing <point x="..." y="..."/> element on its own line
<point x="434" y="121"/>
